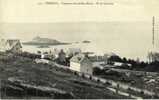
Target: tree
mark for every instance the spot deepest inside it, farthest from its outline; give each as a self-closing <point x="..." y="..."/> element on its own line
<point x="97" y="71"/>
<point x="124" y="60"/>
<point x="115" y="58"/>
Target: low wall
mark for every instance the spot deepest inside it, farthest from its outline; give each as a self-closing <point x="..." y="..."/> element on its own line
<point x="116" y="85"/>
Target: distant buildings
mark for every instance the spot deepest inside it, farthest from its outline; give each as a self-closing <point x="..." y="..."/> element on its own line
<point x="153" y="56"/>
<point x="44" y="61"/>
<point x="119" y="64"/>
<point x="97" y="58"/>
<point x="47" y="55"/>
<point x="73" y="51"/>
<point x="81" y="63"/>
<point x="10" y="45"/>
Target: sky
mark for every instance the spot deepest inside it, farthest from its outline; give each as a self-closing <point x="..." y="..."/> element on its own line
<point x="19" y="18"/>
<point x="28" y="11"/>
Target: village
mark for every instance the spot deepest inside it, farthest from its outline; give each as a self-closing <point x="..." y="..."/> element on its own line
<point x="119" y="73"/>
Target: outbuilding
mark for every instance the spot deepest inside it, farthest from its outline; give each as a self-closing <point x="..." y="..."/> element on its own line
<point x="81" y="63"/>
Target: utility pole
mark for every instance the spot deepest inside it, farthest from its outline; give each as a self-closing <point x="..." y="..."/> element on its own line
<point x="153" y="31"/>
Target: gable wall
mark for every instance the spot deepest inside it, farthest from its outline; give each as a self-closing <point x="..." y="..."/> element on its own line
<point x="75" y="66"/>
<point x="87" y="67"/>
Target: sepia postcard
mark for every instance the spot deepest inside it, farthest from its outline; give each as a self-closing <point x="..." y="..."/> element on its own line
<point x="79" y="49"/>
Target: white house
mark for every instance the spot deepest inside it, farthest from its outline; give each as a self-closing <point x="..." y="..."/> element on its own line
<point x="81" y="63"/>
<point x="44" y="61"/>
<point x="119" y="64"/>
<point x="10" y="45"/>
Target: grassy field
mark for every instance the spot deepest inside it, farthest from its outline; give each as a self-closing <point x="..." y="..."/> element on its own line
<point x="21" y="77"/>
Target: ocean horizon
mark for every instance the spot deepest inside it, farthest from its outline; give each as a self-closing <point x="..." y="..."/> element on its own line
<point x="127" y="39"/>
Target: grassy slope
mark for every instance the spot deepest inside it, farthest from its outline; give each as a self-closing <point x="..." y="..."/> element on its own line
<point x="44" y="75"/>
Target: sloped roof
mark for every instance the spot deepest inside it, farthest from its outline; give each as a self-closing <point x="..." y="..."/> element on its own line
<point x="9" y="44"/>
<point x="78" y="58"/>
<point x="13" y="42"/>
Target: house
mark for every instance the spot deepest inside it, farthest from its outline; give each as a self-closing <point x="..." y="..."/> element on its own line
<point x="47" y="55"/>
<point x="81" y="63"/>
<point x="111" y="57"/>
<point x="10" y="45"/>
<point x="118" y="64"/>
<point x="55" y="52"/>
<point x="14" y="45"/>
<point x="73" y="51"/>
<point x="121" y="64"/>
<point x="44" y="61"/>
<point x="97" y="58"/>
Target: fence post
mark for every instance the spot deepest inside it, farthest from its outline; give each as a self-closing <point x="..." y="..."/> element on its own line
<point x="152" y="97"/>
<point x="36" y="92"/>
<point x="90" y="77"/>
<point x="117" y="89"/>
<point x="26" y="94"/>
<point x="0" y="89"/>
<point x="130" y="95"/>
<point x="4" y="95"/>
<point x="5" y="92"/>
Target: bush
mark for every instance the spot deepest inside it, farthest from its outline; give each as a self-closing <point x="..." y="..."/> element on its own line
<point x="98" y="71"/>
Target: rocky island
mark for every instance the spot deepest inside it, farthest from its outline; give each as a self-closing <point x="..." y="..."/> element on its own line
<point x="44" y="42"/>
<point x="86" y="41"/>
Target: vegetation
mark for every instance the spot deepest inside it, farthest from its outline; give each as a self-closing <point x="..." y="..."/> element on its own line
<point x="135" y="65"/>
<point x="153" y="67"/>
<point x="29" y="77"/>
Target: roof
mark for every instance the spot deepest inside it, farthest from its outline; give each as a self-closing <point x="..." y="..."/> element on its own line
<point x="110" y="54"/>
<point x="78" y="58"/>
<point x="9" y="44"/>
<point x="74" y="50"/>
<point x="13" y="42"/>
<point x="118" y="64"/>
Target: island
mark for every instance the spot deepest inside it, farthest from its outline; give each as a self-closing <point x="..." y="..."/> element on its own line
<point x="86" y="41"/>
<point x="44" y="42"/>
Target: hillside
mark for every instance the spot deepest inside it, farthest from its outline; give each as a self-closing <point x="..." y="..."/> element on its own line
<point x="21" y="77"/>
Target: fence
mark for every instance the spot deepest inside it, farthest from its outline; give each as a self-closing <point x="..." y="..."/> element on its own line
<point x="115" y="85"/>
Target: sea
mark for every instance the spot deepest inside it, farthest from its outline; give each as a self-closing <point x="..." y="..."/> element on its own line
<point x="132" y="40"/>
<point x="97" y="49"/>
